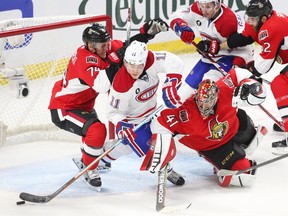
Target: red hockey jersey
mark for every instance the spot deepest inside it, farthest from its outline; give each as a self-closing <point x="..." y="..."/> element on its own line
<point x="83" y="80"/>
<point x="205" y="134"/>
<point x="270" y="36"/>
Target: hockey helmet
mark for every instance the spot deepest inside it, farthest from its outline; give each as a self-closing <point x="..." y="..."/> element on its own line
<point x="95" y="33"/>
<point x="136" y="53"/>
<point x="206" y="97"/>
<point x="208" y="1"/>
<point x="257" y="8"/>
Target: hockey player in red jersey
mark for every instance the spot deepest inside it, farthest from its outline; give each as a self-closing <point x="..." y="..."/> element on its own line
<point x="133" y="97"/>
<point x="270" y="30"/>
<point x="209" y="123"/>
<point x="89" y="73"/>
<point x="215" y="22"/>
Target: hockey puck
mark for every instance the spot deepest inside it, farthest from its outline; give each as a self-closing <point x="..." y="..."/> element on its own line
<point x="20" y="202"/>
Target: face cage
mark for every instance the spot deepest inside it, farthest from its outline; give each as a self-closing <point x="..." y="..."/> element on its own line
<point x="206" y="108"/>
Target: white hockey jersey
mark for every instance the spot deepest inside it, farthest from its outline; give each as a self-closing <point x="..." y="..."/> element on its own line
<point x="135" y="99"/>
<point x="220" y="28"/>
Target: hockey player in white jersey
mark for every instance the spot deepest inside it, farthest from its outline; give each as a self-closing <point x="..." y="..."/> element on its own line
<point x="214" y="22"/>
<point x="133" y="97"/>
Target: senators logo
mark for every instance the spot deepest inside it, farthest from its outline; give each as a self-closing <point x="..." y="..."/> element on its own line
<point x="217" y="129"/>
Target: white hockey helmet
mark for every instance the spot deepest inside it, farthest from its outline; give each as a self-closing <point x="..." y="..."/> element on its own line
<point x="136" y="53"/>
<point x="208" y="1"/>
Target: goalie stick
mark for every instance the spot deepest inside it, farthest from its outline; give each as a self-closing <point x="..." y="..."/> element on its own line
<point x="47" y="198"/>
<point x="161" y="195"/>
<point x="224" y="172"/>
<point x="161" y="189"/>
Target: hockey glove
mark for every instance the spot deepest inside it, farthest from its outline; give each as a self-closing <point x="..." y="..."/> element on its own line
<point x="182" y="29"/>
<point x="154" y="27"/>
<point x="251" y="91"/>
<point x="117" y="56"/>
<point x="212" y="47"/>
<point x="125" y="131"/>
<point x="169" y="91"/>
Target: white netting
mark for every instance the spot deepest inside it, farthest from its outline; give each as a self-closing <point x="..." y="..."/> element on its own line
<point x="44" y="56"/>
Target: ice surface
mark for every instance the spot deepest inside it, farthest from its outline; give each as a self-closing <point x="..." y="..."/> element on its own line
<point x="42" y="167"/>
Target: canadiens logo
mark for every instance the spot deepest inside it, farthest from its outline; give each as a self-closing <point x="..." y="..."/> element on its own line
<point x="263" y="34"/>
<point x="147" y="94"/>
<point x="91" y="59"/>
<point x="217" y="129"/>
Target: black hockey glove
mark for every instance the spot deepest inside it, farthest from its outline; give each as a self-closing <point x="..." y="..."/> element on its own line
<point x="242" y="91"/>
<point x="211" y="47"/>
<point x="154" y="27"/>
<point x="117" y="56"/>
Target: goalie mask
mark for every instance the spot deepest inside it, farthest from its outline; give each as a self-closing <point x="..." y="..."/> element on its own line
<point x="206" y="97"/>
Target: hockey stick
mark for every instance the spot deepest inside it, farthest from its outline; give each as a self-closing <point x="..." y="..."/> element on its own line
<point x="46" y="198"/>
<point x="161" y="194"/>
<point x="129" y="21"/>
<point x="280" y="124"/>
<point x="161" y="189"/>
<point x="224" y="172"/>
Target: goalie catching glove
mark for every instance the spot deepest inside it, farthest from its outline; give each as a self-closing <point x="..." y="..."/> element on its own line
<point x="154" y="27"/>
<point x="169" y="91"/>
<point x="249" y="91"/>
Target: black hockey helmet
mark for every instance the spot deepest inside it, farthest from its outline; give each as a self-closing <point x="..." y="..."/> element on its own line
<point x="258" y="8"/>
<point x="95" y="33"/>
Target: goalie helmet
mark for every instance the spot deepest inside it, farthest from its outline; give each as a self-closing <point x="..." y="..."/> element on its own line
<point x="95" y="33"/>
<point x="206" y="97"/>
<point x="257" y="8"/>
<point x="136" y="53"/>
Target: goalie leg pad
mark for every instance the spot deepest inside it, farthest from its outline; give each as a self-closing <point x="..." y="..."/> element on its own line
<point x="164" y="151"/>
<point x="241" y="180"/>
<point x="253" y="145"/>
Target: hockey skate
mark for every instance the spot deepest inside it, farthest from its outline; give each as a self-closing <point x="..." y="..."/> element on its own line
<point x="175" y="178"/>
<point x="277" y="128"/>
<point x="280" y="147"/>
<point x="92" y="177"/>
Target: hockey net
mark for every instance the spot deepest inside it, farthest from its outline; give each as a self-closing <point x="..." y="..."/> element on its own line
<point x="34" y="53"/>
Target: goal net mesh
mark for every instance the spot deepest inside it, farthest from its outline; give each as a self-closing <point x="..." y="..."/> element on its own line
<point x="42" y="52"/>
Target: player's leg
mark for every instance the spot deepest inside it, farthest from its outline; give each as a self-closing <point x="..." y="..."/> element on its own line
<point x="93" y="133"/>
<point x="280" y="92"/>
<point x="231" y="156"/>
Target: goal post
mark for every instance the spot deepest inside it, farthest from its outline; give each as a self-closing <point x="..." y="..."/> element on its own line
<point x="34" y="54"/>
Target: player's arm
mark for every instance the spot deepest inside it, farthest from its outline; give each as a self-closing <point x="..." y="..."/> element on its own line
<point x="147" y="32"/>
<point x="173" y="67"/>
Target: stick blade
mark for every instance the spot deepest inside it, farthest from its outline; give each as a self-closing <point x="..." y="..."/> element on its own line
<point x="177" y="208"/>
<point x="34" y="198"/>
<point x="224" y="172"/>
